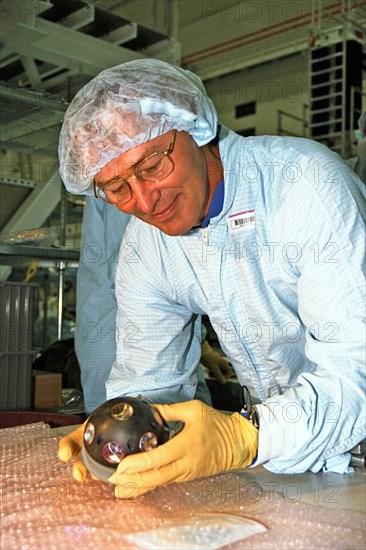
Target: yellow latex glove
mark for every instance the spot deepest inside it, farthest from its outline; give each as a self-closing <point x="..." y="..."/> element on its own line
<point x="210" y="442"/>
<point x="69" y="447"/>
<point x="217" y="365"/>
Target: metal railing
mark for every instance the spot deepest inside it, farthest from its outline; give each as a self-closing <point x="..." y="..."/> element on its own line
<point x="286" y="123"/>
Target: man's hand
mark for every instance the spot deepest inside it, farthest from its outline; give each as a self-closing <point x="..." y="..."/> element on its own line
<point x="210" y="442"/>
<point x="217" y="365"/>
<point x="69" y="447"/>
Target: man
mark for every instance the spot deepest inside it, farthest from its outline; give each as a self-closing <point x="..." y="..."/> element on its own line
<point x="264" y="235"/>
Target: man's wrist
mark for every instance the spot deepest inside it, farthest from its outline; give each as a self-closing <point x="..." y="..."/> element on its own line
<point x="249" y="412"/>
<point x="252" y="416"/>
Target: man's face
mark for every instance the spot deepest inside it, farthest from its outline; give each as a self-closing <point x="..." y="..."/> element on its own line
<point x="181" y="200"/>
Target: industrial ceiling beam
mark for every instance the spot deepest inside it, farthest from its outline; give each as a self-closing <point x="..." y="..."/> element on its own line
<point x="31" y="70"/>
<point x="32" y="98"/>
<point x="122" y="34"/>
<point x="64" y="47"/>
<point x="79" y="18"/>
<point x="27" y="149"/>
<point x="39" y="204"/>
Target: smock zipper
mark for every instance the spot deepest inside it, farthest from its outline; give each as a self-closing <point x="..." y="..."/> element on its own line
<point x="204" y="231"/>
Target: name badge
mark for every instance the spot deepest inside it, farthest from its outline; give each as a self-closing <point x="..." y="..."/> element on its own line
<point x="242" y="220"/>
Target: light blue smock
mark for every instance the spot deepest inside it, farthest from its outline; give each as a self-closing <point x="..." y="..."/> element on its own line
<point x="279" y="272"/>
<point x="102" y="231"/>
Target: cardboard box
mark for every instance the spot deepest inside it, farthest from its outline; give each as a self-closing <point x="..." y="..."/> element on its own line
<point x="47" y="390"/>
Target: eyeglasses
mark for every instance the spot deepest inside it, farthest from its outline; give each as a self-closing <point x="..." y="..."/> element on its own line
<point x="154" y="167"/>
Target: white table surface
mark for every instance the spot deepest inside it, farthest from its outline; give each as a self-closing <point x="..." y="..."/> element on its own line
<point x="341" y="491"/>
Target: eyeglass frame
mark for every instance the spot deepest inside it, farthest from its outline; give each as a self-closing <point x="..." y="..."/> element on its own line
<point x="165" y="153"/>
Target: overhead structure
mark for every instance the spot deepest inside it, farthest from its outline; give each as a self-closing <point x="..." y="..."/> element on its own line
<point x="46" y="42"/>
<point x="50" y="46"/>
<point x="330" y="34"/>
<point x="337" y="64"/>
<point x="49" y="50"/>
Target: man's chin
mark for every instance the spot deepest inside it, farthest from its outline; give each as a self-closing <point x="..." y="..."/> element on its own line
<point x="175" y="230"/>
<point x="173" y="227"/>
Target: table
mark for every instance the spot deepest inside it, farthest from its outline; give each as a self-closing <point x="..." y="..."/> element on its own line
<point x="336" y="491"/>
<point x="43" y="507"/>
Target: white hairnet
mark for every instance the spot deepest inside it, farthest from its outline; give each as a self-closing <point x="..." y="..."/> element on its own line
<point x="126" y="106"/>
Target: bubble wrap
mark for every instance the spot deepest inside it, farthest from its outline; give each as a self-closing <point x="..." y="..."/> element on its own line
<point x="43" y="508"/>
<point x="125" y="106"/>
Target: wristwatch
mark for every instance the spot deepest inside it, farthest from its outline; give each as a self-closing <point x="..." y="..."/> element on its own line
<point x="248" y="410"/>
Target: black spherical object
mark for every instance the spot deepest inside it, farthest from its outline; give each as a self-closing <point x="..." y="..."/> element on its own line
<point x="117" y="428"/>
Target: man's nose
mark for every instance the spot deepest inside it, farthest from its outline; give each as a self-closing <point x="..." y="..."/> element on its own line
<point x="144" y="194"/>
